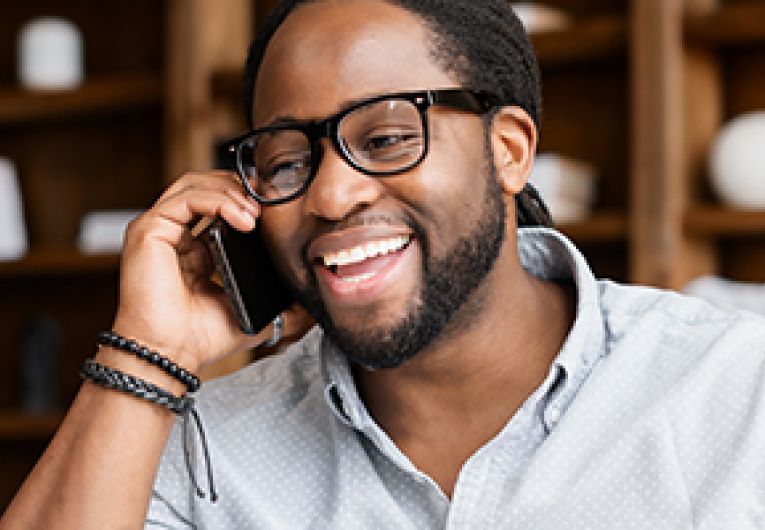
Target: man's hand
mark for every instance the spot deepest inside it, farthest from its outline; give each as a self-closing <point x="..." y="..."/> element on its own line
<point x="167" y="300"/>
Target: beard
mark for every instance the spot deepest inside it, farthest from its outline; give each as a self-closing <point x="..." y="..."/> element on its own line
<point x="448" y="282"/>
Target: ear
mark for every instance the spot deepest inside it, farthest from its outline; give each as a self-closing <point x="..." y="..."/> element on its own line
<point x="514" y="143"/>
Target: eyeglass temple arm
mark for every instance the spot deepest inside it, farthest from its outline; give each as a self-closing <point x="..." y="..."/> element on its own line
<point x="478" y="102"/>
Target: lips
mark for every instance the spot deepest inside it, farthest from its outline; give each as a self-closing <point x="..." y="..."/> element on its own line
<point x="358" y="265"/>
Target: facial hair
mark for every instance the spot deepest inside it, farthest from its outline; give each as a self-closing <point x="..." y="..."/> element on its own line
<point x="448" y="282"/>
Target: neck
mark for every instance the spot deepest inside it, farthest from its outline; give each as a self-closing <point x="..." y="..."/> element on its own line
<point x="460" y="392"/>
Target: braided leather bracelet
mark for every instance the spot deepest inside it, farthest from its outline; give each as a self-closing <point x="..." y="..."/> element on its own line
<point x="183" y="406"/>
<point x="110" y="338"/>
<point x="110" y="378"/>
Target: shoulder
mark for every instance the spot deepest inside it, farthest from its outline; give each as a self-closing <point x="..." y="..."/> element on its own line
<point x="689" y="325"/>
<point x="685" y="355"/>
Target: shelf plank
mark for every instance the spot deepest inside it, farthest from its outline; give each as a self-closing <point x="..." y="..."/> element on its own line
<point x="720" y="221"/>
<point x="593" y="39"/>
<point x="96" y="96"/>
<point x="27" y="426"/>
<point x="731" y="25"/>
<point x="58" y="261"/>
<point x="601" y="227"/>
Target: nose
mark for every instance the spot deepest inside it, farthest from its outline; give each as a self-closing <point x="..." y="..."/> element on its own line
<point x="338" y="190"/>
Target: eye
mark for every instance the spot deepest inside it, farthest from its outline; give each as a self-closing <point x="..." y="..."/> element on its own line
<point x="286" y="169"/>
<point x="390" y="143"/>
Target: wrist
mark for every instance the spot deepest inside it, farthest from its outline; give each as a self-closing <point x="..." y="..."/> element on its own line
<point x="162" y="345"/>
<point x="129" y="364"/>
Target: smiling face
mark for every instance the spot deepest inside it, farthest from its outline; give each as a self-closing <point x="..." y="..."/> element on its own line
<point x="384" y="263"/>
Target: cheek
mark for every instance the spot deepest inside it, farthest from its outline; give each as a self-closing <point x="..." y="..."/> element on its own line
<point x="280" y="232"/>
<point x="447" y="189"/>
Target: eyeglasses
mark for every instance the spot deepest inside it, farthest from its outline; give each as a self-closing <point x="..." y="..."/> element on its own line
<point x="381" y="136"/>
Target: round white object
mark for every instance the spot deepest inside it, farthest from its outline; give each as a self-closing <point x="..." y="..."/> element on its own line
<point x="50" y="54"/>
<point x="13" y="234"/>
<point x="737" y="162"/>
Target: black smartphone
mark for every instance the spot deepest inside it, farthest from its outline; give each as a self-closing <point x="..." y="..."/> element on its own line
<point x="255" y="289"/>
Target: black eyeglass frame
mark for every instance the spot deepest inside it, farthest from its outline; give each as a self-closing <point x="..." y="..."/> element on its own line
<point x="314" y="131"/>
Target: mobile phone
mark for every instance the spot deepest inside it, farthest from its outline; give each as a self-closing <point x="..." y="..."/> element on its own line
<point x="255" y="289"/>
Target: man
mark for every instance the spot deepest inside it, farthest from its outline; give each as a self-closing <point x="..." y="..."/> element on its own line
<point x="465" y="373"/>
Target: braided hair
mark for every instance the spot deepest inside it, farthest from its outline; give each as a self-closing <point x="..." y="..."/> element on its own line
<point x="482" y="44"/>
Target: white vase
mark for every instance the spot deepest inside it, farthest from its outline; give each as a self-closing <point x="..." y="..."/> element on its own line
<point x="737" y="162"/>
<point x="13" y="234"/>
<point x="50" y="54"/>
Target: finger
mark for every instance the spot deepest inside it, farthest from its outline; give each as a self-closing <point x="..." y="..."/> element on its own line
<point x="234" y="192"/>
<point x="195" y="264"/>
<point x="224" y="181"/>
<point x="168" y="221"/>
<point x="206" y="179"/>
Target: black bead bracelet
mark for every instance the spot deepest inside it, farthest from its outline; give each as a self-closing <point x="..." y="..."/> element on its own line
<point x="110" y="338"/>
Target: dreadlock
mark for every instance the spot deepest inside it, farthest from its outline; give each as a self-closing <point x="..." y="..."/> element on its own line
<point x="482" y="44"/>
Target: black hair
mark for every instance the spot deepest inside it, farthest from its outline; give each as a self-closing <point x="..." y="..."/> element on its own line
<point x="482" y="43"/>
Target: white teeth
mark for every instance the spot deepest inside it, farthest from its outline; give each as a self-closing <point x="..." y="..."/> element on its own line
<point x="357" y="279"/>
<point x="364" y="251"/>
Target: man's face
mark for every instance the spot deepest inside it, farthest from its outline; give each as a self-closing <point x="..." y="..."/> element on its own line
<point x="414" y="246"/>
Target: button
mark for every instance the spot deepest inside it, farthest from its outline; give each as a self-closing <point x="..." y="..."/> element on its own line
<point x="553" y="414"/>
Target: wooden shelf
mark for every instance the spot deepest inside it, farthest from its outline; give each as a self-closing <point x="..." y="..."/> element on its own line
<point x="58" y="261"/>
<point x="27" y="426"/>
<point x="96" y="96"/>
<point x="733" y="25"/>
<point x="718" y="221"/>
<point x="592" y="40"/>
<point x="601" y="227"/>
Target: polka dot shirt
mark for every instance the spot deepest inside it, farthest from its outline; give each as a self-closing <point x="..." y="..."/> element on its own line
<point x="652" y="416"/>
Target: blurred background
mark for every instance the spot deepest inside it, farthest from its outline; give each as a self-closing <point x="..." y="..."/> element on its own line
<point x="652" y="157"/>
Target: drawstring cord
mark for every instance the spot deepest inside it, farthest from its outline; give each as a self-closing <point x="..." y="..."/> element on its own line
<point x="188" y="412"/>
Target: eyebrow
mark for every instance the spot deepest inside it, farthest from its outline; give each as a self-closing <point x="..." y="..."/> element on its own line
<point x="286" y="119"/>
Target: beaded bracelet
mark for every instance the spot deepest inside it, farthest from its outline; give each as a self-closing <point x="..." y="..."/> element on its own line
<point x="110" y="338"/>
<point x="183" y="406"/>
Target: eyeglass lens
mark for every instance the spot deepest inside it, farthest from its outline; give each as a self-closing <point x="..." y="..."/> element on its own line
<point x="384" y="137"/>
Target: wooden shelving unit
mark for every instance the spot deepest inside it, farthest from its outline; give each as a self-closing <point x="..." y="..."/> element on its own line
<point x="26" y="426"/>
<point x="601" y="227"/>
<point x="585" y="87"/>
<point x="96" y="147"/>
<point x="589" y="40"/>
<point x="714" y="222"/>
<point x="724" y="52"/>
<point x="731" y="25"/>
<point x="57" y="262"/>
<point x="109" y="94"/>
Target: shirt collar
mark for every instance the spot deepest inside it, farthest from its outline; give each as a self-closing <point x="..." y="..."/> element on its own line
<point x="547" y="254"/>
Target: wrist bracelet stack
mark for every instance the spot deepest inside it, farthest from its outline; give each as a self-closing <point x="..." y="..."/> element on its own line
<point x="183" y="406"/>
<point x="110" y="338"/>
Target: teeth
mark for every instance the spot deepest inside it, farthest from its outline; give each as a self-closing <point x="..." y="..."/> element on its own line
<point x="357" y="279"/>
<point x="365" y="251"/>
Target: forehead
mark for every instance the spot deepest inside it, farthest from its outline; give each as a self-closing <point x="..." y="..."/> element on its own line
<point x="327" y="53"/>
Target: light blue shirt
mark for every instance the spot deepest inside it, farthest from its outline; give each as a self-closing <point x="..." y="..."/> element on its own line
<point x="652" y="416"/>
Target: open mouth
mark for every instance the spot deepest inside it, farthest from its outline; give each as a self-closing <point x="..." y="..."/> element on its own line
<point x="364" y="261"/>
